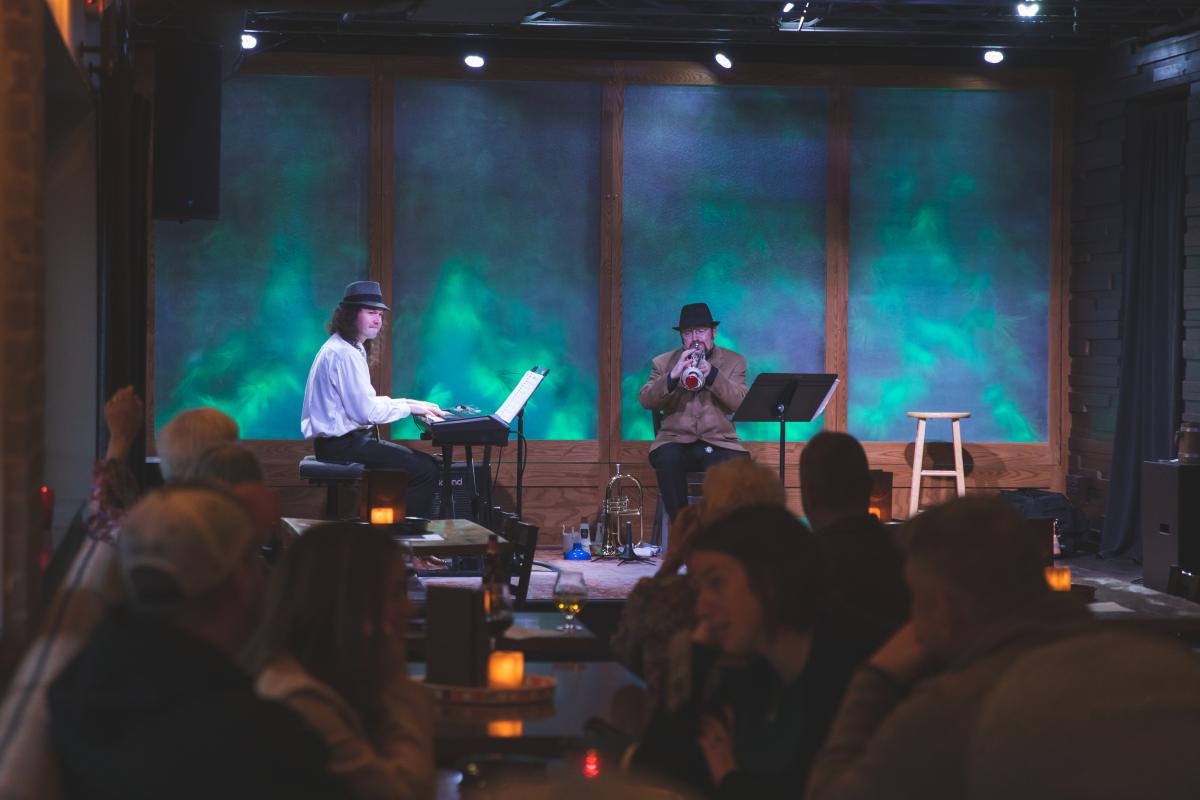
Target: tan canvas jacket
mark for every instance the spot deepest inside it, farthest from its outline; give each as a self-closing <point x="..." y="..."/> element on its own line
<point x="691" y="416"/>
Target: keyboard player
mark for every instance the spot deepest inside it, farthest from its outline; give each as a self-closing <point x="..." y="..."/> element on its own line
<point x="341" y="408"/>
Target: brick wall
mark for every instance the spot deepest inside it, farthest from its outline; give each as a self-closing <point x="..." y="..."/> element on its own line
<point x="1124" y="74"/>
<point x="22" y="371"/>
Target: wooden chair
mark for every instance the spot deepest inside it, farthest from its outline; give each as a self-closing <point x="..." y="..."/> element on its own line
<point x="523" y="538"/>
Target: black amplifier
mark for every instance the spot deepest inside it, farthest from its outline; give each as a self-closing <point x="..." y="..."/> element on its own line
<point x="463" y="489"/>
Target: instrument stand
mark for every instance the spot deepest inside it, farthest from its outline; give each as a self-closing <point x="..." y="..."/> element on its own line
<point x="785" y="397"/>
<point x="520" y="459"/>
<point x="626" y="555"/>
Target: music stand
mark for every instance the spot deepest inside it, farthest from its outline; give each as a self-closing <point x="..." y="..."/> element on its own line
<point x="785" y="397"/>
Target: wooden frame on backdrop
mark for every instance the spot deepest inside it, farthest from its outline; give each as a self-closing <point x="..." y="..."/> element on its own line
<point x="566" y="479"/>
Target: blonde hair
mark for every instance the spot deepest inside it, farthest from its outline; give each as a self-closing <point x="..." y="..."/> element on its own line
<point x="739" y="482"/>
<point x="189" y="433"/>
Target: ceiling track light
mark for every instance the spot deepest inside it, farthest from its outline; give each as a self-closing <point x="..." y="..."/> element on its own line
<point x="249" y="41"/>
<point x="1027" y="10"/>
<point x="723" y="60"/>
<point x="787" y="7"/>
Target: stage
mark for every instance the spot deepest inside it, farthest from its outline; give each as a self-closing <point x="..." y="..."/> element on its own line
<point x="606" y="580"/>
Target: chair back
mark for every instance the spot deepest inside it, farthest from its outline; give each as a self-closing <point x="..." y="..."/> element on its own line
<point x="496" y="518"/>
<point x="523" y="538"/>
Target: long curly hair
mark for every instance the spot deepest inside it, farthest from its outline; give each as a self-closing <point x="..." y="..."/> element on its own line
<point x="344" y="323"/>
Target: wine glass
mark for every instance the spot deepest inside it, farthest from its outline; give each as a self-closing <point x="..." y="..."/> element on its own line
<point x="570" y="595"/>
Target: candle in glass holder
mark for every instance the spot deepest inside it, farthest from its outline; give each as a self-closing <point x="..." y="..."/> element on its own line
<point x="874" y="512"/>
<point x="382" y="516"/>
<point x="505" y="728"/>
<point x="506" y="669"/>
<point x="1059" y="578"/>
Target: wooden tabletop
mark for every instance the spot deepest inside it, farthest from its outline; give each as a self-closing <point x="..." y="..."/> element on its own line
<point x="536" y="634"/>
<point x="445" y="537"/>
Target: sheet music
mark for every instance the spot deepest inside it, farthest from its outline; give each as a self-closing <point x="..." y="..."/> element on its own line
<point x="828" y="397"/>
<point x="517" y="398"/>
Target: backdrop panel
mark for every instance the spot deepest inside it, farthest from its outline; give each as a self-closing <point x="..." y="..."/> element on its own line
<point x="496" y="250"/>
<point x="724" y="202"/>
<point x="241" y="303"/>
<point x="950" y="261"/>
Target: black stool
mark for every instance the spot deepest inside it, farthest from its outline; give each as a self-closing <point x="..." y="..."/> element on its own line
<point x="332" y="476"/>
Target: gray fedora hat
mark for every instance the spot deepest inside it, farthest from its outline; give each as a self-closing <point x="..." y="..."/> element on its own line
<point x="365" y="293"/>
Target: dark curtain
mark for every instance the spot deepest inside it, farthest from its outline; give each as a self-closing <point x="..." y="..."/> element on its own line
<point x="125" y="123"/>
<point x="1148" y="404"/>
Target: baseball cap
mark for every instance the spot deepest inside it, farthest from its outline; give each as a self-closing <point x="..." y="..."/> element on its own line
<point x="195" y="536"/>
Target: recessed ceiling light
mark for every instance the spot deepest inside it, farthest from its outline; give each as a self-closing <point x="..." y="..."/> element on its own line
<point x="1027" y="9"/>
<point x="723" y="60"/>
<point x="993" y="56"/>
<point x="474" y="61"/>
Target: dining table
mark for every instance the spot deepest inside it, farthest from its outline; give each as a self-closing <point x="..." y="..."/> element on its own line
<point x="588" y="698"/>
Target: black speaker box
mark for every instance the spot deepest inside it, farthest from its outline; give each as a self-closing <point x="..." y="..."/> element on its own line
<point x="464" y="490"/>
<point x="1170" y="517"/>
<point x="187" y="131"/>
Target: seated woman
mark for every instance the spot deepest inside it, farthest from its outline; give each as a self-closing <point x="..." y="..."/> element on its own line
<point x="331" y="646"/>
<point x="760" y="597"/>
<point x="660" y="608"/>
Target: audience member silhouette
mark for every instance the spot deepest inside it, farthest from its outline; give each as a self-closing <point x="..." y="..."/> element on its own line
<point x="331" y="646"/>
<point x="980" y="601"/>
<point x="154" y="704"/>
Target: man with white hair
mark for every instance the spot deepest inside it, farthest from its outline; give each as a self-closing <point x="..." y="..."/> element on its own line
<point x="180" y="443"/>
<point x="154" y="704"/>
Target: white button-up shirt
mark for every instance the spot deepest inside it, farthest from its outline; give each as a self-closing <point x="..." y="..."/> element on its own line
<point x="339" y="397"/>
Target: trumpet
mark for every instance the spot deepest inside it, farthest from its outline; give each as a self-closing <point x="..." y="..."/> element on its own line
<point x="693" y="377"/>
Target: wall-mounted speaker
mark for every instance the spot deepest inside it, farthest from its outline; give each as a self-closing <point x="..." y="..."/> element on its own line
<point x="187" y="131"/>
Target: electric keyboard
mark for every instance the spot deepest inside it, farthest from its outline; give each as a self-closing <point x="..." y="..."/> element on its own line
<point x="481" y="429"/>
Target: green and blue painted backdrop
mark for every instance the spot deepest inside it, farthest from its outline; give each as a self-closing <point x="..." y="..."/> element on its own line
<point x="241" y="303"/>
<point x="949" y="261"/>
<point x="724" y="203"/>
<point x="496" y="252"/>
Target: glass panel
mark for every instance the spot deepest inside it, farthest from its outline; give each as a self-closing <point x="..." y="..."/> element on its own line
<point x="950" y="261"/>
<point x="724" y="200"/>
<point x="497" y="247"/>
<point x="241" y="303"/>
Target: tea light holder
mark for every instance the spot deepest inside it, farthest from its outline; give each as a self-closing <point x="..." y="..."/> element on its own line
<point x="505" y="728"/>
<point x="506" y="669"/>
<point x="1059" y="578"/>
<point x="383" y="516"/>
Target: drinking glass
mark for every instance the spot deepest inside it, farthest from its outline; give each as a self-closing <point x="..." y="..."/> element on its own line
<point x="570" y="595"/>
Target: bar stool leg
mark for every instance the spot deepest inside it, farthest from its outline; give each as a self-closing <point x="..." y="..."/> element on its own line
<point x="914" y="498"/>
<point x="960" y="478"/>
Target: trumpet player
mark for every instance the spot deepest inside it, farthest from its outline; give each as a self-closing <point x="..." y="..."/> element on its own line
<point x="697" y="386"/>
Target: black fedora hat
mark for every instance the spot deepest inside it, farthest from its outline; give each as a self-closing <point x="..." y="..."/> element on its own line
<point x="696" y="315"/>
<point x="364" y="293"/>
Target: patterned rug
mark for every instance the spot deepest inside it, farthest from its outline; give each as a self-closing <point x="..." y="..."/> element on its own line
<point x="606" y="580"/>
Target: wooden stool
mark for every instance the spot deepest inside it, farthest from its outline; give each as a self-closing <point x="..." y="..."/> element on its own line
<point x="960" y="478"/>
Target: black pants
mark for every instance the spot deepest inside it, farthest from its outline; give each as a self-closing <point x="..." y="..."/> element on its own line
<point x="362" y="447"/>
<point x="672" y="462"/>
